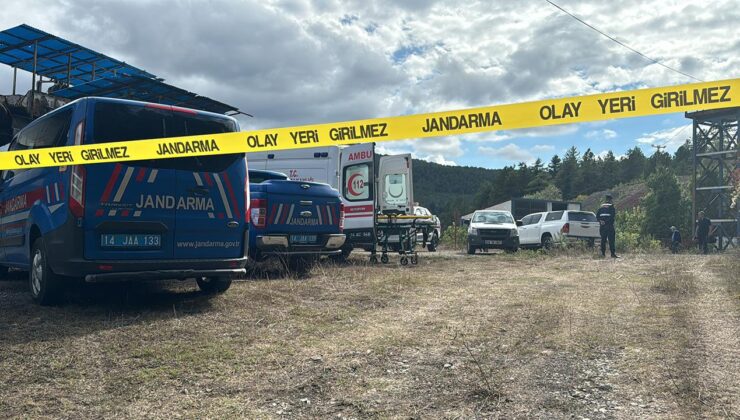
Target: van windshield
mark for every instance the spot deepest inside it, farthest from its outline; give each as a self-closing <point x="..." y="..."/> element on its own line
<point x="125" y="122"/>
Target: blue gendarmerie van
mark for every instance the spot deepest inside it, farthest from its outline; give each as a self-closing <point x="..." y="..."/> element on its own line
<point x="141" y="220"/>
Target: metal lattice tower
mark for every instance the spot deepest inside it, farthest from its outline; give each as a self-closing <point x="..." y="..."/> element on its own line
<point x="716" y="164"/>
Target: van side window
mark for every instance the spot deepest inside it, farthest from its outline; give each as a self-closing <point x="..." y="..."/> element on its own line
<point x="554" y="215"/>
<point x="48" y="131"/>
<point x="358" y="183"/>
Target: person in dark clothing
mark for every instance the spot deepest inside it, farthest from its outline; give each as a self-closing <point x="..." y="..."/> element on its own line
<point x="606" y="216"/>
<point x="675" y="240"/>
<point x="702" y="232"/>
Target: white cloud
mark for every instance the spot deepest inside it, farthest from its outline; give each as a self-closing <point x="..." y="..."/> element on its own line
<point x="603" y="134"/>
<point x="672" y="137"/>
<point x="542" y="148"/>
<point x="439" y="159"/>
<point x="510" y="152"/>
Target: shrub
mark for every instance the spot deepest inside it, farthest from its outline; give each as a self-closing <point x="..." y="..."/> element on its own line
<point x="455" y="234"/>
<point x="630" y="234"/>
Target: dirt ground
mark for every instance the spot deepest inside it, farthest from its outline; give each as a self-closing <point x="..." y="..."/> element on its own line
<point x="492" y="336"/>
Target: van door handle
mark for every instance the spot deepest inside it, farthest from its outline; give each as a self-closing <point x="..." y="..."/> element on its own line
<point x="198" y="191"/>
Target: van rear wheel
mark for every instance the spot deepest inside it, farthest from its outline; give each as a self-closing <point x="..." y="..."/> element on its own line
<point x="213" y="285"/>
<point x="46" y="287"/>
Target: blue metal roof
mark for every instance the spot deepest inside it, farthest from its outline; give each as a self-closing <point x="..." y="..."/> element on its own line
<point x="81" y="72"/>
<point x="142" y="89"/>
<point x="56" y="55"/>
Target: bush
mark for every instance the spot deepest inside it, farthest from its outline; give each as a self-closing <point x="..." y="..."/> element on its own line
<point x="630" y="236"/>
<point x="455" y="233"/>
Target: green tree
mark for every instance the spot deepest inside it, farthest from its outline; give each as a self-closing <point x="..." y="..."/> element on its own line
<point x="608" y="169"/>
<point x="588" y="178"/>
<point x="554" y="166"/>
<point x="657" y="160"/>
<point x="567" y="177"/>
<point x="665" y="206"/>
<point x="633" y="165"/>
<point x="550" y="192"/>
<point x="682" y="159"/>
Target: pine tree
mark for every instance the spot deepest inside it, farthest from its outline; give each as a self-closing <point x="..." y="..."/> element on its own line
<point x="633" y="165"/>
<point x="665" y="206"/>
<point x="554" y="166"/>
<point x="588" y="177"/>
<point x="568" y="174"/>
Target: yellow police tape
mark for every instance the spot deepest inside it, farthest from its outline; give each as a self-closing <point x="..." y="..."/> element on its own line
<point x="634" y="103"/>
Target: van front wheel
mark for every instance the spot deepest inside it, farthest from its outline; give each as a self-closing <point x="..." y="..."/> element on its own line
<point x="213" y="284"/>
<point x="46" y="287"/>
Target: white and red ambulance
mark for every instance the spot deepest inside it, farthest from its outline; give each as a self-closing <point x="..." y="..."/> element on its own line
<point x="357" y="174"/>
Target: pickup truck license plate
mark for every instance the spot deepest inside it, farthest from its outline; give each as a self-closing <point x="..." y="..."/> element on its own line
<point x="118" y="240"/>
<point x="494" y="242"/>
<point x="302" y="239"/>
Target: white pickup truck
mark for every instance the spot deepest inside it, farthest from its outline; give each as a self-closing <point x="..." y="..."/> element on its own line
<point x="555" y="227"/>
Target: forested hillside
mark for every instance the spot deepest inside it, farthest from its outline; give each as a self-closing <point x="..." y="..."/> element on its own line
<point x="447" y="189"/>
<point x="451" y="191"/>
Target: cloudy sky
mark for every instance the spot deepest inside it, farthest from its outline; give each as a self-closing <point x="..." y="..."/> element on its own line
<point x="298" y="61"/>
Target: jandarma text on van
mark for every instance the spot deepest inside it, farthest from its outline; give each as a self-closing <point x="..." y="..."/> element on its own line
<point x="187" y="147"/>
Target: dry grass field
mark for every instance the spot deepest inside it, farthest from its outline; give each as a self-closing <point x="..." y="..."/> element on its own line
<point x="490" y="336"/>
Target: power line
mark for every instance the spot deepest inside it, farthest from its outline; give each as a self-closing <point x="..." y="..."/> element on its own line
<point x="623" y="44"/>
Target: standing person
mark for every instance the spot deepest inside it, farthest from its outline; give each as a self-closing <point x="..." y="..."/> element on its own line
<point x="702" y="232"/>
<point x="675" y="240"/>
<point x="606" y="216"/>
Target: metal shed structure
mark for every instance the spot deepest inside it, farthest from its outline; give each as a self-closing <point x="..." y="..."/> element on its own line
<point x="716" y="170"/>
<point x="74" y="71"/>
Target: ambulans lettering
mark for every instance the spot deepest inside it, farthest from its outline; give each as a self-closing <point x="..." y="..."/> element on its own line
<point x="681" y="98"/>
<point x="464" y="121"/>
<point x="171" y="202"/>
<point x="361" y="155"/>
<point x="187" y="147"/>
<point x="105" y="153"/>
<point x="367" y="131"/>
<point x="554" y="112"/>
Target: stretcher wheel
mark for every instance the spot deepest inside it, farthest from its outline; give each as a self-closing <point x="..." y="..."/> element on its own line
<point x="414" y="259"/>
<point x="384" y="259"/>
<point x="404" y="261"/>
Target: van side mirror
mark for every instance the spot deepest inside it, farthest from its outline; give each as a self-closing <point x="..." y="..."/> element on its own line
<point x="519" y="223"/>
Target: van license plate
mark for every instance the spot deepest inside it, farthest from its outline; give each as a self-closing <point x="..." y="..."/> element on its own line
<point x="302" y="239"/>
<point x="494" y="242"/>
<point x="117" y="240"/>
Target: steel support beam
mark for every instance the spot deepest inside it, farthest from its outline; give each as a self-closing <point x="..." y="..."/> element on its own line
<point x="715" y="158"/>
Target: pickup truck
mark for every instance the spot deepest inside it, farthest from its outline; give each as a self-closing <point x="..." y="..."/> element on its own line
<point x="295" y="221"/>
<point x="543" y="230"/>
<point x="493" y="229"/>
